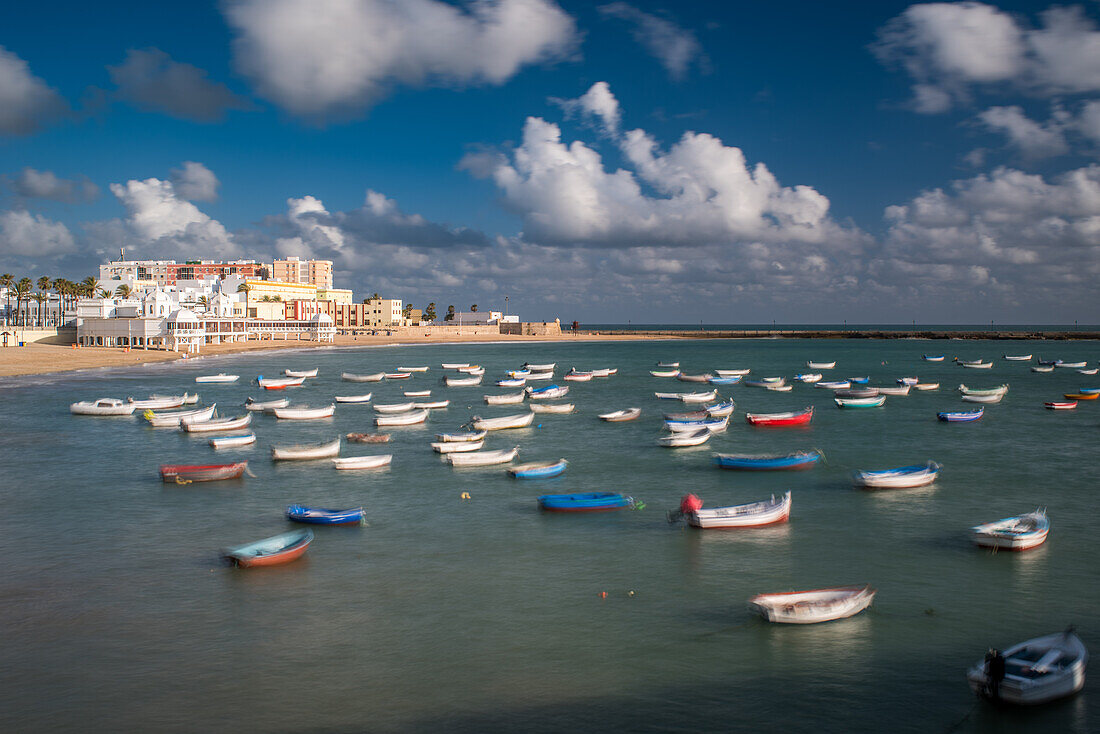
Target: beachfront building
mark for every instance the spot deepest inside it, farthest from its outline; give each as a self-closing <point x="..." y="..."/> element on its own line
<point x="152" y="273"/>
<point x="350" y="317"/>
<point x="294" y="270"/>
<point x="478" y="318"/>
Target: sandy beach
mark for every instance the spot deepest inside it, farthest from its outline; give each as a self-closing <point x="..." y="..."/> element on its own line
<point x="36" y="359"/>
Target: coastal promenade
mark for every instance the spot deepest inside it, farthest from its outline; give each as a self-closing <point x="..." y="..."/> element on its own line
<point x="988" y="334"/>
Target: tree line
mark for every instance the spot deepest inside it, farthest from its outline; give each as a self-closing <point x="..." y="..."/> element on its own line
<point x="26" y="291"/>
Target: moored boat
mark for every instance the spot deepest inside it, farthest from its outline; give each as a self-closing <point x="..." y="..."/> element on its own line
<point x="393" y="407"/>
<point x="175" y="420"/>
<point x="512" y="382"/>
<point x="186" y="473"/>
<point x="834" y="385"/>
<point x="305" y="414"/>
<point x="1091" y="371"/>
<point x="507" y="399"/>
<point x="796" y="418"/>
<point x="221" y="424"/>
<point x="813" y="606"/>
<point x="857" y="392"/>
<point x="367" y="437"/>
<point x="398" y="375"/>
<point x="1081" y="396"/>
<point x="999" y="390"/>
<point x="908" y="380"/>
<point x="751" y="515"/>
<point x="605" y="371"/>
<point x="1017" y="358"/>
<point x="301" y="373"/>
<point x="720" y="410"/>
<point x="585" y="502"/>
<point x="504" y="422"/>
<point x="273" y="551"/>
<point x="414" y="369"/>
<point x="693" y="378"/>
<point x="456" y="447"/>
<point x="259" y="406"/>
<point x="1060" y="405"/>
<point x="711" y="423"/>
<point x="681" y="440"/>
<point x="808" y="377"/>
<point x="431" y="404"/>
<point x="978" y="365"/>
<point x="990" y="399"/>
<point x="1037" y="671"/>
<point x="917" y="475"/>
<point x="578" y="376"/>
<point x="768" y="462"/>
<point x="1043" y="368"/>
<point x="158" y="402"/>
<point x="323" y="516"/>
<point x="923" y="386"/>
<point x="364" y="398"/>
<point x="546" y="367"/>
<point x="874" y="402"/>
<point x="412" y="418"/>
<point x="221" y="377"/>
<point x="724" y="380"/>
<point x="732" y="373"/>
<point x="362" y="462"/>
<point x="462" y="381"/>
<point x="961" y="416"/>
<point x="1070" y="365"/>
<point x="619" y="416"/>
<point x="268" y="383"/>
<point x="232" y="442"/>
<point x="374" y="377"/>
<point x="821" y="365"/>
<point x="305" y="452"/>
<point x="559" y="408"/>
<point x="538" y="470"/>
<point x="550" y="392"/>
<point x="1013" y="533"/>
<point x="698" y="397"/>
<point x="931" y="358"/>
<point x="417" y="393"/>
<point x="461" y="437"/>
<point x="454" y="365"/>
<point x="482" y="458"/>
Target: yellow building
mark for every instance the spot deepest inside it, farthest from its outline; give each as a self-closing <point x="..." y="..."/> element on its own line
<point x="294" y="270"/>
<point x="265" y="297"/>
<point x="336" y="295"/>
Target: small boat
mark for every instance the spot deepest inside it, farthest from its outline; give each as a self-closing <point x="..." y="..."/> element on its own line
<point x="1070" y="365"/>
<point x="454" y="365"/>
<point x="821" y="365"/>
<point x="698" y="397"/>
<point x="1017" y="358"/>
<point x="157" y="402"/>
<point x="417" y="393"/>
<point x="918" y="475"/>
<point x="431" y="405"/>
<point x="989" y="399"/>
<point x="175" y="420"/>
<point x="999" y="390"/>
<point x="585" y="502"/>
<point x="798" y="418"/>
<point x="978" y="366"/>
<point x="301" y="373"/>
<point x="482" y="458"/>
<point x="725" y="380"/>
<point x="961" y="417"/>
<point x="768" y="462"/>
<point x="1013" y="533"/>
<point x="302" y="452"/>
<point x="222" y="424"/>
<point x="536" y="376"/>
<point x="273" y="551"/>
<point x="808" y="377"/>
<point x="1061" y="405"/>
<point x="900" y="391"/>
<point x="930" y="358"/>
<point x="189" y="399"/>
<point x="605" y="372"/>
<point x="321" y="516"/>
<point x="550" y="392"/>
<point x="1043" y="368"/>
<point x="540" y="367"/>
<point x="265" y="405"/>
<point x="508" y="399"/>
<point x="779" y="388"/>
<point x="751" y="515"/>
<point x="816" y="605"/>
<point x="306" y="414"/>
<point x="365" y="398"/>
<point x="834" y="385"/>
<point x="1037" y="671"/>
<point x="393" y="407"/>
<point x="764" y="382"/>
<point x="714" y="425"/>
<point x="693" y="378"/>
<point x="474" y="370"/>
<point x="908" y="380"/>
<point x="461" y="437"/>
<point x="681" y="440"/>
<point x="518" y="374"/>
<point x="362" y="462"/>
<point x="375" y="377"/>
<point x="1048" y="362"/>
<point x="543" y="470"/>
<point x="578" y="376"/>
<point x="232" y="442"/>
<point x="411" y="418"/>
<point x="965" y="362"/>
<point x="398" y="375"/>
<point x="720" y="410"/>
<point x="666" y="365"/>
<point x="1090" y="390"/>
<point x="520" y="420"/>
<point x="413" y="369"/>
<point x="515" y="382"/>
<point x="859" y="380"/>
<point x="1092" y="371"/>
<point x="268" y="383"/>
<point x="731" y="373"/>
<point x="456" y="447"/>
<point x="619" y="416"/>
<point x="552" y="408"/>
<point x="186" y="473"/>
<point x="220" y="377"/>
<point x="462" y="381"/>
<point x="367" y="437"/>
<point x="857" y="392"/>
<point x="924" y="386"/>
<point x="1081" y="396"/>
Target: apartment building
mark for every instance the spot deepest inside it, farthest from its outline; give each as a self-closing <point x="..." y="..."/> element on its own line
<point x="151" y="273"/>
<point x="294" y="270"/>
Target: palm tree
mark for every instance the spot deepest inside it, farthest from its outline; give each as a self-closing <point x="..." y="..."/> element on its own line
<point x="104" y="293"/>
<point x="40" y="298"/>
<point x="407" y="311"/>
<point x="90" y="284"/>
<point x="124" y="291"/>
<point x="429" y="312"/>
<point x="61" y="288"/>
<point x="473" y="308"/>
<point x="22" y="292"/>
<point x="7" y="280"/>
<point x="244" y="288"/>
<point x="450" y="313"/>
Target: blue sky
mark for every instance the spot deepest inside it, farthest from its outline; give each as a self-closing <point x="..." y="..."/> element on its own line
<point x="651" y="161"/>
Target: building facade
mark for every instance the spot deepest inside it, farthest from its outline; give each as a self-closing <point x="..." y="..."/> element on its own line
<point x="294" y="270"/>
<point x="376" y="314"/>
<point x="152" y="273"/>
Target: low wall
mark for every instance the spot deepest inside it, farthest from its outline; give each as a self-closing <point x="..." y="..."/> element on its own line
<point x="532" y="328"/>
<point x="444" y="330"/>
<point x="39" y="336"/>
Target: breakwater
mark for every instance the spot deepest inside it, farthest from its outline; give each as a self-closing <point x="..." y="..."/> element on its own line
<point x="1011" y="335"/>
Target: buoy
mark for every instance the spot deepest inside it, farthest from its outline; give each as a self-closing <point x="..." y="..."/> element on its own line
<point x="539" y="426"/>
<point x="465" y="495"/>
<point x="603" y="594"/>
<point x="630" y="593"/>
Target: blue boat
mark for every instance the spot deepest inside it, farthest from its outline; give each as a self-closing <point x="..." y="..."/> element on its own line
<point x="585" y="502"/>
<point x="931" y="358"/>
<point x="963" y="417"/>
<point x="768" y="462"/>
<point x="321" y="516"/>
<point x="724" y="380"/>
<point x="543" y="389"/>
<point x="543" y="470"/>
<point x="1089" y="390"/>
<point x="859" y="380"/>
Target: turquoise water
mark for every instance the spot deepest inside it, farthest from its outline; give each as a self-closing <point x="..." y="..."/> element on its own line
<point x="447" y="614"/>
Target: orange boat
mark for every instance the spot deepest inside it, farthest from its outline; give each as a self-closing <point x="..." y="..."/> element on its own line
<point x="1081" y="395"/>
<point x="273" y="551"/>
<point x="185" y="473"/>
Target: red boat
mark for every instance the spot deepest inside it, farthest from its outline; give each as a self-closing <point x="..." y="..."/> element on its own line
<point x="184" y="473"/>
<point x="781" y="419"/>
<point x="1059" y="405"/>
<point x="273" y="551"/>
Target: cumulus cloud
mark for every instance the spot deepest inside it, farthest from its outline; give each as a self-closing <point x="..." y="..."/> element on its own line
<point x="195" y="182"/>
<point x="33" y="184"/>
<point x="675" y="47"/>
<point x="319" y="57"/>
<point x="1033" y="139"/>
<point x="32" y="235"/>
<point x="166" y="224"/>
<point x="151" y="81"/>
<point x="948" y="49"/>
<point x="26" y="102"/>
<point x="597" y="103"/>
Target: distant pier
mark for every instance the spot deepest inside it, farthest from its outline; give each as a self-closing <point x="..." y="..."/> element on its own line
<point x="1009" y="335"/>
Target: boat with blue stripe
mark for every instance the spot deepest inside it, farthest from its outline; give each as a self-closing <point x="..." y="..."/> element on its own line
<point x="724" y="380"/>
<point x="543" y="470"/>
<point x="967" y="416"/>
<point x="322" y="516"/>
<point x="768" y="462"/>
<point x="585" y="502"/>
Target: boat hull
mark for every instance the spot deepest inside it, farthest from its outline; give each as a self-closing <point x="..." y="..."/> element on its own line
<point x="812" y="607"/>
<point x="185" y="473"/>
<point x="273" y="551"/>
<point x="584" y="502"/>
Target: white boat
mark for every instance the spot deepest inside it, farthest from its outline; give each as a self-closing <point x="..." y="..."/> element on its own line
<point x="269" y="383"/>
<point x="575" y="375"/>
<point x="918" y="475"/>
<point x="821" y="365"/>
<point x="520" y="420"/>
<point x="1037" y="671"/>
<point x="900" y="391"/>
<point x="412" y="369"/>
<point x="418" y="393"/>
<point x="103" y="406"/>
<point x="779" y="388"/>
<point x="983" y="398"/>
<point x="605" y="372"/>
<point x="402" y="419"/>
<point x="666" y="365"/>
<point x="809" y="378"/>
<point x="680" y="440"/>
<point x="454" y="365"/>
<point x="512" y="382"/>
<point x="714" y="425"/>
<point x="538" y="376"/>
<point x="694" y="378"/>
<point x="362" y="462"/>
<point x="927" y="386"/>
<point x="301" y="373"/>
<point x="461" y="437"/>
<point x="1018" y="358"/>
<point x="518" y="374"/>
<point x="908" y="380"/>
<point x="220" y="377"/>
<point x="393" y="407"/>
<point x="540" y="367"/>
<point x="375" y="377"/>
<point x="302" y="452"/>
<point x="810" y="607"/>
<point x="431" y="405"/>
<point x="753" y="514"/>
<point x="456" y="447"/>
<point x="731" y="373"/>
<point x="1071" y="365"/>
<point x="365" y="398"/>
<point x="189" y="399"/>
<point x="1091" y="371"/>
<point x="474" y="370"/>
<point x="720" y="410"/>
<point x="552" y="392"/>
<point x="699" y="397"/>
<point x="221" y="424"/>
<point x="1013" y="533"/>
<point x="873" y="402"/>
<point x="505" y="399"/>
<point x="552" y="408"/>
<point x="482" y="458"/>
<point x="232" y="442"/>
<point x="619" y="416"/>
<point x="999" y="390"/>
<point x="462" y="381"/>
<point x="260" y="406"/>
<point x="834" y="385"/>
<point x="665" y="373"/>
<point x="175" y="420"/>
<point x="1043" y="368"/>
<point x="978" y="366"/>
<point x="157" y="402"/>
<point x="305" y="414"/>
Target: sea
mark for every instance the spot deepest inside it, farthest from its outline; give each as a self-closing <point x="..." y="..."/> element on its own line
<point x="460" y="607"/>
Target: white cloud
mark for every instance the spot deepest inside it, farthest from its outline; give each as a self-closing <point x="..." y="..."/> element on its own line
<point x="32" y="235"/>
<point x="34" y="184"/>
<point x="598" y="102"/>
<point x="314" y="57"/>
<point x="195" y="182"/>
<point x="675" y="47"/>
<point x="26" y="102"/>
<point x="165" y="224"/>
<point x="1033" y="139"/>
<point x="151" y="81"/>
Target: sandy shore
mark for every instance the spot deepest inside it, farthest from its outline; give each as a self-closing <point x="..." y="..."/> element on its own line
<point x="36" y="359"/>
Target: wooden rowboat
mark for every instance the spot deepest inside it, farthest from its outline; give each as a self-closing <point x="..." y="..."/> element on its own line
<point x="1037" y="671"/>
<point x="768" y="462"/>
<point x="368" y="437"/>
<point x="816" y="605"/>
<point x="585" y="502"/>
<point x="213" y="426"/>
<point x="1081" y="396"/>
<point x="751" y="515"/>
<point x="1060" y="405"/>
<point x="918" y="475"/>
<point x="375" y="377"/>
<point x="1013" y="533"/>
<point x="232" y="442"/>
<point x="800" y="418"/>
<point x="186" y="473"/>
<point x="362" y="462"/>
<point x="543" y="470"/>
<point x="322" y="516"/>
<point x="456" y="447"/>
<point x="365" y="398"/>
<point x="961" y="417"/>
<point x="411" y="418"/>
<point x="482" y="458"/>
<point x="301" y="373"/>
<point x="273" y="551"/>
<point x="305" y="414"/>
<point x="521" y="420"/>
<point x="305" y="452"/>
<point x="221" y="377"/>
<point x="619" y="416"/>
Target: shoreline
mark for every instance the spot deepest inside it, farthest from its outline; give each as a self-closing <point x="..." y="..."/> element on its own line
<point x="42" y="359"/>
